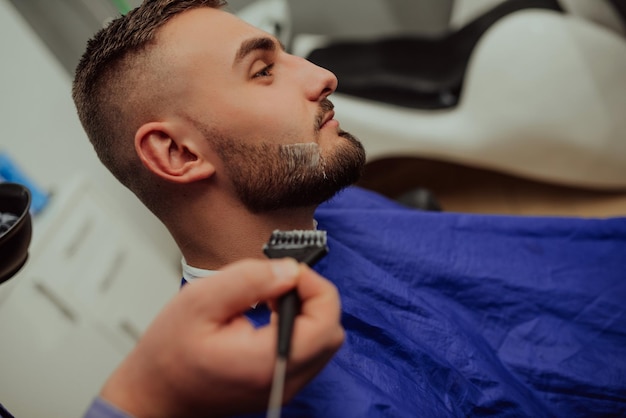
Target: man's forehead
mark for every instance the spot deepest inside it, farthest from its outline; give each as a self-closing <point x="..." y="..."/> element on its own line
<point x="208" y="27"/>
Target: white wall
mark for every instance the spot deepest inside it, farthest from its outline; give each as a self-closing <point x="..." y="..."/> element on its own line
<point x="40" y="130"/>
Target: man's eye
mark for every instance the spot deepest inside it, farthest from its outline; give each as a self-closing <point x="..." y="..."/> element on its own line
<point x="265" y="72"/>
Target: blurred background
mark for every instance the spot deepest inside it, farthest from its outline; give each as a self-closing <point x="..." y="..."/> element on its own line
<point x="509" y="107"/>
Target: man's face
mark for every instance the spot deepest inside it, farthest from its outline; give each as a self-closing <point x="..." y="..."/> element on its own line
<point x="263" y="111"/>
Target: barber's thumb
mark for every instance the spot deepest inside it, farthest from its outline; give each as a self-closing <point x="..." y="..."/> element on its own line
<point x="285" y="269"/>
<point x="284" y="275"/>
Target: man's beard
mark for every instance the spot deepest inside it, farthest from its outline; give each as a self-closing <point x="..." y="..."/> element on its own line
<point x="269" y="177"/>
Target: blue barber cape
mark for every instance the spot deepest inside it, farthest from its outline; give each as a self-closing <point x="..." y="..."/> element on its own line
<point x="455" y="315"/>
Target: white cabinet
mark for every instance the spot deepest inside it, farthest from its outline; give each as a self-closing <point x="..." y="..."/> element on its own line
<point x="91" y="286"/>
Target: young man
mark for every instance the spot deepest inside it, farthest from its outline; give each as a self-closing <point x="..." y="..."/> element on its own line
<point x="226" y="137"/>
<point x="221" y="133"/>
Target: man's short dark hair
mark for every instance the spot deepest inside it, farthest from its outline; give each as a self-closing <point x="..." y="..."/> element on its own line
<point x="112" y="80"/>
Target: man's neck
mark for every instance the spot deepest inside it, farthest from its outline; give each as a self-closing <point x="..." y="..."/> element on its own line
<point x="224" y="235"/>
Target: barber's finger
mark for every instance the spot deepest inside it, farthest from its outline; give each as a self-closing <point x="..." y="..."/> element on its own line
<point x="320" y="316"/>
<point x="244" y="283"/>
<point x="318" y="293"/>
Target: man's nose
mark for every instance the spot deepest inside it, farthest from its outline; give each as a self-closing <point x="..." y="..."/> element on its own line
<point x="319" y="82"/>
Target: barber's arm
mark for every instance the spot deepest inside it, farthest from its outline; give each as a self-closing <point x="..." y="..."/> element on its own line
<point x="202" y="357"/>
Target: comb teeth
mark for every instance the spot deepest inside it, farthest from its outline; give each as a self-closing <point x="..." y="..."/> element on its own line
<point x="297" y="238"/>
<point x="306" y="246"/>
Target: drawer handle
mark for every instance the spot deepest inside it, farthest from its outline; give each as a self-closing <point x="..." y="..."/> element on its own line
<point x="76" y="243"/>
<point x="131" y="330"/>
<point x="57" y="301"/>
<point x="112" y="271"/>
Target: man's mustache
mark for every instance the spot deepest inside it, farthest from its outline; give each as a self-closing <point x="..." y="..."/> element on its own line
<point x="325" y="107"/>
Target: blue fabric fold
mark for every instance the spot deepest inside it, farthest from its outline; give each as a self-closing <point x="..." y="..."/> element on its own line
<point x="451" y="314"/>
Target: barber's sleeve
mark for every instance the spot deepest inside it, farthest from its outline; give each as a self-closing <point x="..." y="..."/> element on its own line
<point x="100" y="408"/>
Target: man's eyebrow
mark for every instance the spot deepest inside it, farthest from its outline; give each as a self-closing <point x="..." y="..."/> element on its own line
<point x="250" y="45"/>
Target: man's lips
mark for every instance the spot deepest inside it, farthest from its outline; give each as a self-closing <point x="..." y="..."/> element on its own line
<point x="328" y="117"/>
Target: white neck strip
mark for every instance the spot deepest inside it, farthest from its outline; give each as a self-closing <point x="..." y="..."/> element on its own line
<point x="192" y="273"/>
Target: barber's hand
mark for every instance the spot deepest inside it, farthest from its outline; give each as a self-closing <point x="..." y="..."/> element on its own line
<point x="202" y="357"/>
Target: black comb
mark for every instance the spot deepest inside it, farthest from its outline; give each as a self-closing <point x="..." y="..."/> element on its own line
<point x="305" y="246"/>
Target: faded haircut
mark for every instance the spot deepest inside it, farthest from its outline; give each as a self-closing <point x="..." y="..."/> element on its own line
<point x="108" y="80"/>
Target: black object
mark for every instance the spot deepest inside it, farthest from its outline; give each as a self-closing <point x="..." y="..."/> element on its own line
<point x="411" y="71"/>
<point x="15" y="236"/>
<point x="620" y="7"/>
<point x="420" y="198"/>
<point x="4" y="413"/>
<point x="306" y="247"/>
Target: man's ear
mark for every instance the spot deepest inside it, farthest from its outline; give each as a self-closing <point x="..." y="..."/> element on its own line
<point x="171" y="153"/>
